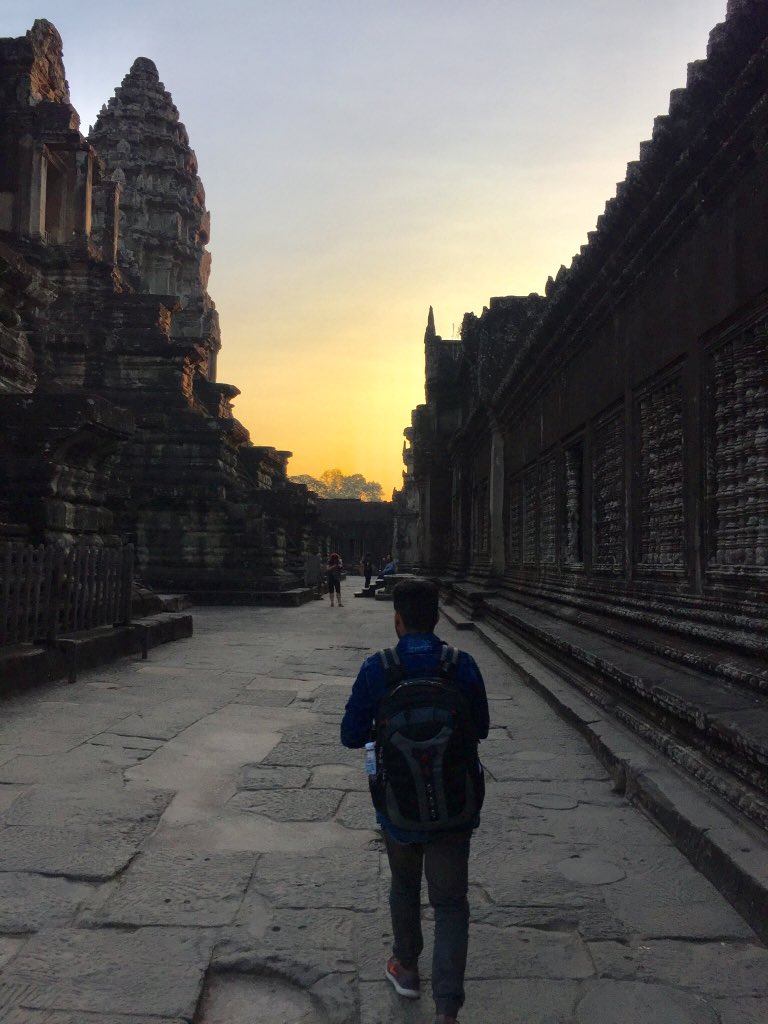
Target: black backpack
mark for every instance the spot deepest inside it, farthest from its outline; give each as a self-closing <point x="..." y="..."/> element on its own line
<point x="429" y="777"/>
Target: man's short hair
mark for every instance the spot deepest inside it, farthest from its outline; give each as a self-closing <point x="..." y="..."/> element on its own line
<point x="417" y="603"/>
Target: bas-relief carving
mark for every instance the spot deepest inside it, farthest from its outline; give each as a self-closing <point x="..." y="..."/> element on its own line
<point x="737" y="465"/>
<point x="660" y="446"/>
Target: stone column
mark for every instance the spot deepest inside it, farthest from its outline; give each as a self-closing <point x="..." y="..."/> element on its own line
<point x="83" y="194"/>
<point x="30" y="194"/>
<point x="496" y="500"/>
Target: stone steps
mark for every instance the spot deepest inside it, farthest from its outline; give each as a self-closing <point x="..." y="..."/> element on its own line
<point x="714" y="726"/>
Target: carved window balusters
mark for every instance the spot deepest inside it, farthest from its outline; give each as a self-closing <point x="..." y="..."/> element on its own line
<point x="547" y="512"/>
<point x="737" y="453"/>
<point x="483" y="518"/>
<point x="515" y="520"/>
<point x="608" y="493"/>
<point x="573" y="504"/>
<point x="660" y="508"/>
<point x="530" y="503"/>
<point x="456" y="511"/>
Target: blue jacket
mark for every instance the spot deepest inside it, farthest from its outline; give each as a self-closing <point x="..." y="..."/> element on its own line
<point x="417" y="652"/>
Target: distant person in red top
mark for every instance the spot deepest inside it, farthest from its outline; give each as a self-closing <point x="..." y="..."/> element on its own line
<point x="333" y="570"/>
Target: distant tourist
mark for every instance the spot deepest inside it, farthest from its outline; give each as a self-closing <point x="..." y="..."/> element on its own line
<point x="390" y="568"/>
<point x="313" y="574"/>
<point x="366" y="568"/>
<point x="333" y="572"/>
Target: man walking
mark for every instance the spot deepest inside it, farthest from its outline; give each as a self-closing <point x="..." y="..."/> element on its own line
<point x="441" y="853"/>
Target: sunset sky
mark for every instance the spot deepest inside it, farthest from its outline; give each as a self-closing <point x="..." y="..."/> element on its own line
<point x="363" y="161"/>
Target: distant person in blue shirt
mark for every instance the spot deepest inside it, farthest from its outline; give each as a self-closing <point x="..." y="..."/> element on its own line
<point x="390" y="568"/>
<point x="443" y="856"/>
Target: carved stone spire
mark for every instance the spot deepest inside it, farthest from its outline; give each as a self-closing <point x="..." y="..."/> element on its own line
<point x="430" y="334"/>
<point x="164" y="224"/>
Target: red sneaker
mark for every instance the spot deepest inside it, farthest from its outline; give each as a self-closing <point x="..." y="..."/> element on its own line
<point x="406" y="982"/>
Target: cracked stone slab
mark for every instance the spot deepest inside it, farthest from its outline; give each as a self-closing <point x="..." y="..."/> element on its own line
<point x="608" y="1002"/>
<point x="101" y="805"/>
<point x="742" y="1011"/>
<point x="155" y="972"/>
<point x="338" y="776"/>
<point x="528" y="1001"/>
<point x="332" y="699"/>
<point x="239" y="997"/>
<point x="258" y="776"/>
<point x="588" y="869"/>
<point x="331" y="878"/>
<point x="9" y="947"/>
<point x="30" y="902"/>
<point x="593" y="922"/>
<point x="308" y="756"/>
<point x="684" y="903"/>
<point x="289" y="804"/>
<point x="600" y="824"/>
<point x="527" y="953"/>
<point x="713" y="968"/>
<point x="26" y="1016"/>
<point x="90" y="853"/>
<point x="201" y="889"/>
<point x="125" y="742"/>
<point x="356" y="811"/>
<point x="267" y="698"/>
<point x="9" y="793"/>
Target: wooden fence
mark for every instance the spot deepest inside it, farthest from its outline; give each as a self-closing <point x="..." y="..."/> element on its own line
<point x="48" y="591"/>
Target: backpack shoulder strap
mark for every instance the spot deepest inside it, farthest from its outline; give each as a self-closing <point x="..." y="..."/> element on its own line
<point x="393" y="669"/>
<point x="449" y="660"/>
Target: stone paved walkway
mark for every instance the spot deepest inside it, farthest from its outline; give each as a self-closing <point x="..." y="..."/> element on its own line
<point x="191" y="825"/>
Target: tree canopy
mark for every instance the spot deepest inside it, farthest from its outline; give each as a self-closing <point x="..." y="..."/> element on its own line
<point x="334" y="484"/>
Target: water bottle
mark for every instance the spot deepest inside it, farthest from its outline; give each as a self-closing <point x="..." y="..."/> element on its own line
<point x="370" y="758"/>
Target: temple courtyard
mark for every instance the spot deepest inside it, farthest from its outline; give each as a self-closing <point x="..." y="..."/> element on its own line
<point x="184" y="839"/>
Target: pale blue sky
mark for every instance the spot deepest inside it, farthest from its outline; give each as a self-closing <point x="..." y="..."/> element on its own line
<point x="364" y="160"/>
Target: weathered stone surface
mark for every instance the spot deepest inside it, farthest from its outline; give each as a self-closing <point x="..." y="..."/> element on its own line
<point x="103" y="805"/>
<point x="301" y="754"/>
<point x="692" y="965"/>
<point x="336" y="776"/>
<point x="328" y="879"/>
<point x="233" y="997"/>
<point x="267" y="698"/>
<point x="289" y="804"/>
<point x="156" y="971"/>
<point x="356" y="811"/>
<point x="527" y="953"/>
<point x="634" y="1003"/>
<point x="84" y="852"/>
<point x="257" y="776"/>
<point x="201" y="889"/>
<point x="30" y="902"/>
<point x="26" y="1016"/>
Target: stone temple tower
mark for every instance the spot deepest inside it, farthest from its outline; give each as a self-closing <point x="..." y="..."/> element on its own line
<point x="164" y="225"/>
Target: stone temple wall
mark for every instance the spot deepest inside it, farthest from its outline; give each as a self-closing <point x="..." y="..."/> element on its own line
<point x="590" y="469"/>
<point x="609" y="438"/>
<point x="113" y="424"/>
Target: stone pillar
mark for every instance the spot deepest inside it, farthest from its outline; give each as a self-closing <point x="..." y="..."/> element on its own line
<point x="496" y="501"/>
<point x="30" y="194"/>
<point x="83" y="194"/>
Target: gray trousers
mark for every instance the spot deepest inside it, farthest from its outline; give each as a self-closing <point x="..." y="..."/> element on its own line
<point x="444" y="861"/>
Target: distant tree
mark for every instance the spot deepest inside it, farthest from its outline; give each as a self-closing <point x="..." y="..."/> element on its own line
<point x="334" y="484"/>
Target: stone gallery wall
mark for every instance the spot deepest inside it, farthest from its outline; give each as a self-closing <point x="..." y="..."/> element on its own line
<point x="114" y="427"/>
<point x="610" y="438"/>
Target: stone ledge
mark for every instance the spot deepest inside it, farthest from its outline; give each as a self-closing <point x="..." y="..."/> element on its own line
<point x="275" y="598"/>
<point x="26" y="666"/>
<point x="732" y="854"/>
